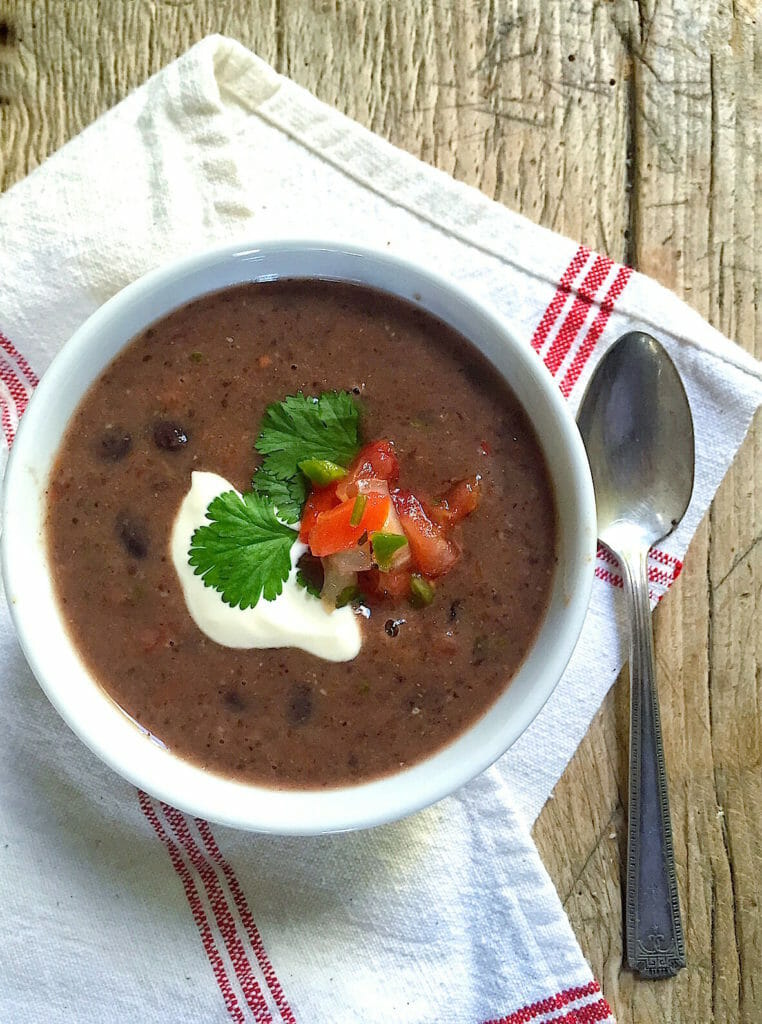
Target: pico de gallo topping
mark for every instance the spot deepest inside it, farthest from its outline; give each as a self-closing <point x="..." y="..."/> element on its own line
<point x="369" y="540"/>
<point x="380" y="539"/>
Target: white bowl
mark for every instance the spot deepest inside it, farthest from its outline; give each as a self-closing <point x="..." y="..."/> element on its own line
<point x="94" y="716"/>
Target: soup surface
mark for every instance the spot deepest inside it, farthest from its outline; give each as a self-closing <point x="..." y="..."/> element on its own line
<point x="281" y="717"/>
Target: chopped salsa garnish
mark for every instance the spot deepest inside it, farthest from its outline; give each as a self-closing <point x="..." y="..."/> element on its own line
<point x="432" y="550"/>
<point x="341" y="527"/>
<point x="357" y="509"/>
<point x="320" y="500"/>
<point x="389" y="540"/>
<point x="376" y="541"/>
<point x="385" y="546"/>
<point x="458" y="502"/>
<point x="387" y="586"/>
<point x="376" y="462"/>
<point x="348" y="595"/>
<point x="421" y="591"/>
<point x="321" y="472"/>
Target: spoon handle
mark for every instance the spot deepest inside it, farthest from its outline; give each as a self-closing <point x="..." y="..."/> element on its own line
<point x="654" y="931"/>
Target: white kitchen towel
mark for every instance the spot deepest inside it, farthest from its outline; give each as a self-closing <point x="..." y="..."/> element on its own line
<point x="114" y="907"/>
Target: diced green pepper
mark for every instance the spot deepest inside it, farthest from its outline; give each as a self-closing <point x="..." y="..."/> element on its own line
<point x="384" y="547"/>
<point x="421" y="591"/>
<point x="357" y="509"/>
<point x="347" y="596"/>
<point x="321" y="472"/>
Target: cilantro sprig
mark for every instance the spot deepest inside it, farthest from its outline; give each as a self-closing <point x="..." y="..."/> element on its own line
<point x="306" y="583"/>
<point x="302" y="428"/>
<point x="288" y="496"/>
<point x="244" y="552"/>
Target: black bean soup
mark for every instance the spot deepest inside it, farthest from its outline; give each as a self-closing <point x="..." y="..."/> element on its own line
<point x="189" y="393"/>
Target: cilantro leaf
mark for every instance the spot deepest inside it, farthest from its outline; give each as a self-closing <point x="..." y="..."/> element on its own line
<point x="309" y="574"/>
<point x="301" y="428"/>
<point x="288" y="496"/>
<point x="309" y="585"/>
<point x="244" y="552"/>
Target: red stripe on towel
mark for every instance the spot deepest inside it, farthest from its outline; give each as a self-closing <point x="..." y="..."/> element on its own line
<point x="663" y="577"/>
<point x="550" y="315"/>
<point x="591" y="1013"/>
<point x="5" y="422"/>
<point x="196" y="907"/>
<point x="248" y="921"/>
<point x="597" y="1011"/>
<point x="16" y="386"/>
<point x="19" y="398"/>
<point x="596" y="330"/>
<point x="17" y="357"/>
<point x="575" y="318"/>
<point x="666" y="559"/>
<point x="654" y="576"/>
<point x="609" y="577"/>
<point x="225" y="922"/>
<point x="606" y="556"/>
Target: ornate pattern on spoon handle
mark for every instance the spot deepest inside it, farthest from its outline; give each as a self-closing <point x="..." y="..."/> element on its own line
<point x="653" y="928"/>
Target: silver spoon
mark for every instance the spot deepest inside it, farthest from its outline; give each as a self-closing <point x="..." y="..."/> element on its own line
<point x="637" y="427"/>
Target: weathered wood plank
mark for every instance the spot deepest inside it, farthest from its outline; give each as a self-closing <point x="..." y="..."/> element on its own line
<point x="695" y="146"/>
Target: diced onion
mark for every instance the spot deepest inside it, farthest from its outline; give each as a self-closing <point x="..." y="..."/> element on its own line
<point x="354" y="559"/>
<point x="335" y="580"/>
<point x="372" y="486"/>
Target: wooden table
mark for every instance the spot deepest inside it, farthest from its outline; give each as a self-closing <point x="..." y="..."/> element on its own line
<point x="634" y="126"/>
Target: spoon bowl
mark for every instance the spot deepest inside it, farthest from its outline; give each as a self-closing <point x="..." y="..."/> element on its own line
<point x="637" y="427"/>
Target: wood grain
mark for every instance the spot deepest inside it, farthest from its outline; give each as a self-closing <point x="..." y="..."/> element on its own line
<point x="635" y="127"/>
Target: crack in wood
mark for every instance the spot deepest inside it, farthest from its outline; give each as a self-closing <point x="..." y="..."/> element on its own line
<point x="719" y="802"/>
<point x="604" y="833"/>
<point x="737" y="561"/>
<point x="632" y="162"/>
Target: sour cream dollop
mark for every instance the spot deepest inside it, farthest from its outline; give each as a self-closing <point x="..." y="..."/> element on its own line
<point x="294" y="619"/>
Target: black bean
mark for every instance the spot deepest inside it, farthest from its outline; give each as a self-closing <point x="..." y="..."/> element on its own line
<point x="392" y="626"/>
<point x="114" y="444"/>
<point x="299" y="708"/>
<point x="454" y="609"/>
<point x="133" y="534"/>
<point x="169" y="436"/>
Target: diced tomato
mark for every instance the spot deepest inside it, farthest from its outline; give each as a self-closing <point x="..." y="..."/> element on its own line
<point x="382" y="586"/>
<point x="320" y="500"/>
<point x="433" y="554"/>
<point x="458" y="502"/>
<point x="375" y="461"/>
<point x="333" y="531"/>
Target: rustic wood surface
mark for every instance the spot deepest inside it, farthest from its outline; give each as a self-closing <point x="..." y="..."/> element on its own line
<point x="635" y="127"/>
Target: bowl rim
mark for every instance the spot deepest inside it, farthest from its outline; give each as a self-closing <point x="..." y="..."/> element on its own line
<point x="343" y="808"/>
